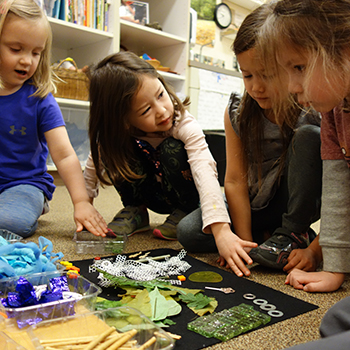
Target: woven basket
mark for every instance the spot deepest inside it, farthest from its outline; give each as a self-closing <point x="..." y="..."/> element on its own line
<point x="71" y="83"/>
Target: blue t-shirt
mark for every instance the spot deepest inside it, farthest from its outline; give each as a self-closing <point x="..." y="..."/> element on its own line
<point x="23" y="147"/>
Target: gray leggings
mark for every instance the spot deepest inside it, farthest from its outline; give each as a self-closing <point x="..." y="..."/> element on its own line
<point x="334" y="329"/>
<point x="295" y="206"/>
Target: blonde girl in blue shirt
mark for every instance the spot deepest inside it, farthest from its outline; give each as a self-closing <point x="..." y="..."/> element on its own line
<point x="32" y="125"/>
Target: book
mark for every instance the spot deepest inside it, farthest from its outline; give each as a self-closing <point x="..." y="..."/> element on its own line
<point x="56" y="9"/>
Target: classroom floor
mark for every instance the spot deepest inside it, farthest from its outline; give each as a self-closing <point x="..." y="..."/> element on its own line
<point x="58" y="226"/>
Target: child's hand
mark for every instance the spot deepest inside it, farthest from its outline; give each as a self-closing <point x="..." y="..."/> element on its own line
<point x="321" y="281"/>
<point x="233" y="251"/>
<point x="85" y="215"/>
<point x="302" y="259"/>
<point x="307" y="259"/>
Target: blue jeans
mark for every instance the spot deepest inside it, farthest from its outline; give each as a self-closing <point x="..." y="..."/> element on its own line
<point x="20" y="208"/>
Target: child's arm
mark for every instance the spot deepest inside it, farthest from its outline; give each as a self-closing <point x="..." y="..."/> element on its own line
<point x="322" y="281"/>
<point x="334" y="235"/>
<point x="234" y="247"/>
<point x="68" y="166"/>
<point x="92" y="183"/>
<point x="236" y="183"/>
<point x="214" y="213"/>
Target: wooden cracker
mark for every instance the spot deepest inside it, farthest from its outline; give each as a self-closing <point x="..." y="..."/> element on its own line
<point x="67" y="341"/>
<point x="100" y="338"/>
<point x="148" y="343"/>
<point x="127" y="336"/>
<point x="109" y="342"/>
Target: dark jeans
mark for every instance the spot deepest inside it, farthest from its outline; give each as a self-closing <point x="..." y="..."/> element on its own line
<point x="176" y="190"/>
<point x="295" y="206"/>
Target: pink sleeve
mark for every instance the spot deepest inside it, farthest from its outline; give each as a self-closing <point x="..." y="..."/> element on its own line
<point x="204" y="172"/>
<point x="91" y="181"/>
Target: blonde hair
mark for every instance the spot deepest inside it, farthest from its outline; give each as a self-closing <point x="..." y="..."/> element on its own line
<point x="29" y="10"/>
<point x="318" y="29"/>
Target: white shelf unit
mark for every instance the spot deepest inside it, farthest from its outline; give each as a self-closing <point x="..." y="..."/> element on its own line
<point x="169" y="45"/>
<point x="66" y="102"/>
<point x="87" y="46"/>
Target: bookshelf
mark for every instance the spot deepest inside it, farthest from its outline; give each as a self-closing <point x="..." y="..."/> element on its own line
<point x="170" y="46"/>
<point x="88" y="45"/>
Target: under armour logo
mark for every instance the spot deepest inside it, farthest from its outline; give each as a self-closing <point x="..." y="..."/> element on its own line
<point x="22" y="131"/>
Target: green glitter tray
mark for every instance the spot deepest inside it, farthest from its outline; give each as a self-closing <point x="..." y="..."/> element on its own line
<point x="229" y="323"/>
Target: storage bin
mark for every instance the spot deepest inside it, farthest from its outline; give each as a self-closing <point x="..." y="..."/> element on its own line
<point x="25" y="316"/>
<point x="6" y="343"/>
<point x="86" y="243"/>
<point x="76" y="120"/>
<point x="10" y="236"/>
<point x="72" y="84"/>
<point x="95" y="323"/>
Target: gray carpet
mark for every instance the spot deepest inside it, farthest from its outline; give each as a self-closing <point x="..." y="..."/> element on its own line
<point x="58" y="226"/>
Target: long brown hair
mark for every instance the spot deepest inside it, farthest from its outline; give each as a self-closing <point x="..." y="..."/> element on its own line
<point x="114" y="81"/>
<point x="250" y="115"/>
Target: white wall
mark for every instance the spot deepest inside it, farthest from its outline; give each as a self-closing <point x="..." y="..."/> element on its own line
<point x="224" y="38"/>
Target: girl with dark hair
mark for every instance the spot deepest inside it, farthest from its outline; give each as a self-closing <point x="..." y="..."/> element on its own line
<point x="145" y="143"/>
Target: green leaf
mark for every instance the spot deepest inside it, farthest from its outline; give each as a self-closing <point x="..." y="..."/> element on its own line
<point x="162" y="307"/>
<point x="174" y="308"/>
<point x="198" y="301"/>
<point x="169" y="322"/>
<point x="142" y="303"/>
<point x="102" y="304"/>
<point x="209" y="308"/>
<point x="159" y="305"/>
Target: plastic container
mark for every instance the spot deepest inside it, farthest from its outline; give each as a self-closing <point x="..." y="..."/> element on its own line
<point x="24" y="316"/>
<point x="95" y="323"/>
<point x="76" y="120"/>
<point x="6" y="343"/>
<point x="87" y="243"/>
<point x="37" y="266"/>
<point x="10" y="236"/>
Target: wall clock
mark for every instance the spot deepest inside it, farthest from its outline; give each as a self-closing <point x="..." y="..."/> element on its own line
<point x="222" y="16"/>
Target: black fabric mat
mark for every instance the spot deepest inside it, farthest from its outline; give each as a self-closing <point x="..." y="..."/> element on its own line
<point x="290" y="306"/>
